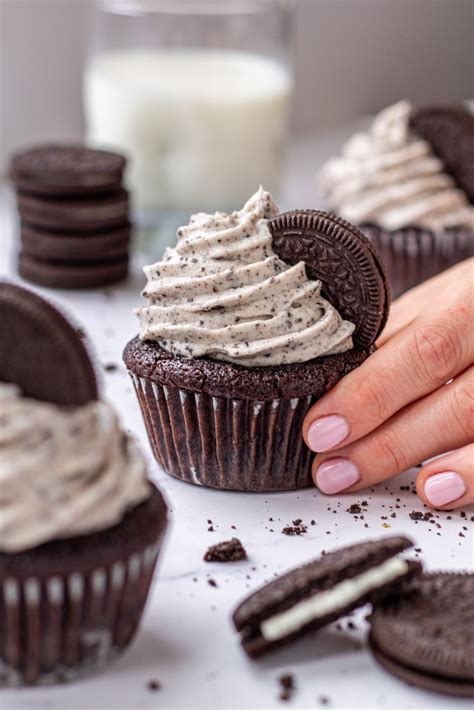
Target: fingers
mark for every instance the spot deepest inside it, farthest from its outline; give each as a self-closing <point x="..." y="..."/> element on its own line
<point x="448" y="482"/>
<point x="407" y="307"/>
<point x="442" y="421"/>
<point x="412" y="364"/>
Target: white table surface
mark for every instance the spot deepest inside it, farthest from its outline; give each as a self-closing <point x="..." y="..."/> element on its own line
<point x="186" y="641"/>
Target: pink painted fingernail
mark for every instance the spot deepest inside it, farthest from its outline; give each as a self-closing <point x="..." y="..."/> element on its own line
<point x="327" y="432"/>
<point x="336" y="474"/>
<point x="443" y="488"/>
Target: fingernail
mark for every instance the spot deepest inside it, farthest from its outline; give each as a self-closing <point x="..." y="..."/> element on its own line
<point x="327" y="432"/>
<point x="443" y="488"/>
<point x="336" y="474"/>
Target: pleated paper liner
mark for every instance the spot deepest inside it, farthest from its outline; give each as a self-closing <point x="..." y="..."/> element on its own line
<point x="220" y="442"/>
<point x="412" y="255"/>
<point x="55" y="627"/>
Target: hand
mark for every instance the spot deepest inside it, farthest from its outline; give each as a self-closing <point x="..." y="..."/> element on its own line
<point x="396" y="410"/>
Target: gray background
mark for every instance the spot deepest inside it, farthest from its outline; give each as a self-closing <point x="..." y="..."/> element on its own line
<point x="352" y="58"/>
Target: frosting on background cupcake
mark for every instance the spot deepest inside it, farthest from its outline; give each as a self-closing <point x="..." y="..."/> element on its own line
<point x="63" y="472"/>
<point x="222" y="292"/>
<point x="390" y="176"/>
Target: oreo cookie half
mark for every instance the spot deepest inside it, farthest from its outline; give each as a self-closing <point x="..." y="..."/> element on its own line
<point x="41" y="352"/>
<point x="450" y="132"/>
<point x="343" y="259"/>
<point x="55" y="169"/>
<point x="314" y="595"/>
<point x="426" y="636"/>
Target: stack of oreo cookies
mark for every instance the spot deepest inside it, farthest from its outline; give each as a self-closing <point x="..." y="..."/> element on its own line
<point x="75" y="230"/>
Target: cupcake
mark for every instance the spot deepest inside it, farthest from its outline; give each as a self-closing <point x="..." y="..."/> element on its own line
<point x="408" y="183"/>
<point x="80" y="524"/>
<point x="250" y="319"/>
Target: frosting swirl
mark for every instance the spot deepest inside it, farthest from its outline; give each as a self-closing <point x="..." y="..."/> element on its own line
<point x="390" y="176"/>
<point x="222" y="292"/>
<point x="63" y="472"/>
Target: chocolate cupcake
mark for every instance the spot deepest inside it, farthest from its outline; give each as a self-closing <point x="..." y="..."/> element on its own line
<point x="80" y="524"/>
<point x="408" y="183"/>
<point x="250" y="319"/>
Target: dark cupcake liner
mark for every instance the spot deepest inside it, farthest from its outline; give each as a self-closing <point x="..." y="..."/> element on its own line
<point x="412" y="255"/>
<point x="220" y="442"/>
<point x="57" y="628"/>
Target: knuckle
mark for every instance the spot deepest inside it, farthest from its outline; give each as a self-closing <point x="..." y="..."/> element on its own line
<point x="372" y="405"/>
<point x="437" y="351"/>
<point x="388" y="454"/>
<point x="462" y="406"/>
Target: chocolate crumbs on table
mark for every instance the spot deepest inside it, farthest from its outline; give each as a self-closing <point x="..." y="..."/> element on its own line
<point x="226" y="551"/>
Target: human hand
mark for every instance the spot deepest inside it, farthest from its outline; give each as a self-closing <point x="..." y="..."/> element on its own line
<point x="396" y="410"/>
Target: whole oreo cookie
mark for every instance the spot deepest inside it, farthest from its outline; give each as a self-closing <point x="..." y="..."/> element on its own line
<point x="41" y="352"/>
<point x="450" y="132"/>
<point x="75" y="213"/>
<point x="342" y="258"/>
<point x="313" y="595"/>
<point x="66" y="170"/>
<point x="72" y="274"/>
<point x="426" y="636"/>
<point x="54" y="246"/>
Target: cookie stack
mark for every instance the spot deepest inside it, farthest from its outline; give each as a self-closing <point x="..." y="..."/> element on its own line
<point x="75" y="231"/>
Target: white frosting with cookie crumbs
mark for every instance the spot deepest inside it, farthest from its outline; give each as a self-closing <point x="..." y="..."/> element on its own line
<point x="389" y="176"/>
<point x="63" y="471"/>
<point x="222" y="292"/>
<point x="331" y="600"/>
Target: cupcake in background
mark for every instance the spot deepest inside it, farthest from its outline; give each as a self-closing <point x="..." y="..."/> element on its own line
<point x="81" y="526"/>
<point x="249" y="320"/>
<point x="408" y="183"/>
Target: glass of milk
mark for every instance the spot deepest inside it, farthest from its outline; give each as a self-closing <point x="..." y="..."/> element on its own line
<point x="196" y="94"/>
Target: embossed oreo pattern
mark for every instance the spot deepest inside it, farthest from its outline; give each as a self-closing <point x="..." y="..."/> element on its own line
<point x="414" y="255"/>
<point x="338" y="254"/>
<point x="56" y="629"/>
<point x="234" y="444"/>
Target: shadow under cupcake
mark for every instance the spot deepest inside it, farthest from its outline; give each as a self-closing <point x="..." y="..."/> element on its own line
<point x="408" y="183"/>
<point x="80" y="524"/>
<point x="251" y="318"/>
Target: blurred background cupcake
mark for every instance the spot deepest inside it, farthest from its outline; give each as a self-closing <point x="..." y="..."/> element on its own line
<point x="408" y="182"/>
<point x="81" y="526"/>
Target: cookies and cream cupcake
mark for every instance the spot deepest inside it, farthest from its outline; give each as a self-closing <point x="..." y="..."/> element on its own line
<point x="80" y="523"/>
<point x="249" y="319"/>
<point x="408" y="183"/>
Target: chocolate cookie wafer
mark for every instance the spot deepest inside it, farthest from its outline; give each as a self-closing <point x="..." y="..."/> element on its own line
<point x="426" y="636"/>
<point x="450" y="132"/>
<point x="41" y="351"/>
<point x="56" y="169"/>
<point x="343" y="259"/>
<point x="314" y="595"/>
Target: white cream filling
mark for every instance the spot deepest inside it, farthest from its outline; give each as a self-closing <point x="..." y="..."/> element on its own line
<point x="323" y="603"/>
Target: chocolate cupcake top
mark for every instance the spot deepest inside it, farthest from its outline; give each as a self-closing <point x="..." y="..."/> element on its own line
<point x="391" y="177"/>
<point x="64" y="472"/>
<point x="222" y="292"/>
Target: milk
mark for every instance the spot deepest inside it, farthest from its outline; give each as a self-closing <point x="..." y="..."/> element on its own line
<point x="202" y="128"/>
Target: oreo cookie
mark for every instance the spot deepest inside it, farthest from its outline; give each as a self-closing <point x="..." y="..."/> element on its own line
<point x="41" y="351"/>
<point x="426" y="636"/>
<point x="314" y="595"/>
<point x="346" y="263"/>
<point x="72" y="274"/>
<point x="75" y="214"/>
<point x="53" y="246"/>
<point x="56" y="169"/>
<point x="450" y="132"/>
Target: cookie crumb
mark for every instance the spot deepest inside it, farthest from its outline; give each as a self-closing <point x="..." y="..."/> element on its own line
<point x="354" y="509"/>
<point x="153" y="685"/>
<point x="212" y="582"/>
<point x="110" y="367"/>
<point x="287" y="683"/>
<point x="294" y="530"/>
<point x="226" y="551"/>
